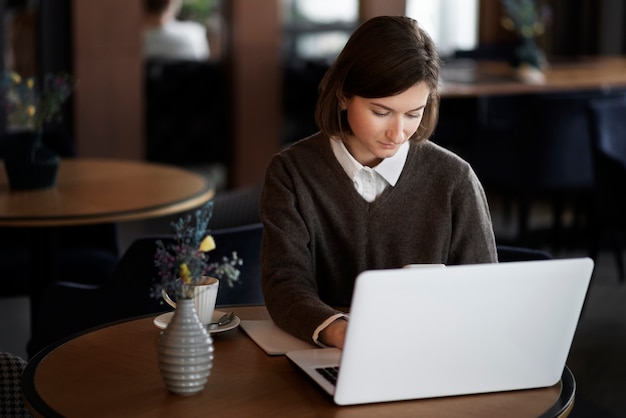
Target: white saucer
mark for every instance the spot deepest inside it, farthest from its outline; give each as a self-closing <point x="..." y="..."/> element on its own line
<point x="162" y="320"/>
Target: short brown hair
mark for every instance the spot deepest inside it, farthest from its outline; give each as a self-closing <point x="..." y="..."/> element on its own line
<point x="385" y="56"/>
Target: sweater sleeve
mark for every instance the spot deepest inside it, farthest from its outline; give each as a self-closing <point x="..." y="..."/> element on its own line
<point x="472" y="240"/>
<point x="288" y="276"/>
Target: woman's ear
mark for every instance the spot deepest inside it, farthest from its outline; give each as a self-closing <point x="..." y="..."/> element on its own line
<point x="342" y="102"/>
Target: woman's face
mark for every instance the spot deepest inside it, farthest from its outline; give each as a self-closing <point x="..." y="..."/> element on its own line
<point x="379" y="126"/>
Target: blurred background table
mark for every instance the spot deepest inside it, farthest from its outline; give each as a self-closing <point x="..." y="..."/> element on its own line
<point x="475" y="78"/>
<point x="94" y="191"/>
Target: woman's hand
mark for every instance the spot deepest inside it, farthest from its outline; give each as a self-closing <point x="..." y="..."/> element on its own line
<point x="335" y="333"/>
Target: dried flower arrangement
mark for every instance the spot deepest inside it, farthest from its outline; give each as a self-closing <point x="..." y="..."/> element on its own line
<point x="29" y="103"/>
<point x="185" y="263"/>
<point x="528" y="19"/>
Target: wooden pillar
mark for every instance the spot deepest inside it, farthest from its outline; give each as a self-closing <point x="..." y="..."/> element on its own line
<point x="254" y="63"/>
<point x="371" y="8"/>
<point x="108" y="103"/>
<point x="490" y="30"/>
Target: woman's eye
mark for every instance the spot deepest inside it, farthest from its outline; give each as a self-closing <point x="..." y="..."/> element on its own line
<point x="380" y="113"/>
<point x="413" y="116"/>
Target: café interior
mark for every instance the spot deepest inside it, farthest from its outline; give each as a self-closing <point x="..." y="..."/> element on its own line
<point x="531" y="141"/>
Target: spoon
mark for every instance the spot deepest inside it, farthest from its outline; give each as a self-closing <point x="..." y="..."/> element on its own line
<point x="223" y="320"/>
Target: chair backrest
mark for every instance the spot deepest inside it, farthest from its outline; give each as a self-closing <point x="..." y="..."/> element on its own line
<point x="607" y="117"/>
<point x="236" y="207"/>
<point x="559" y="143"/>
<point x="507" y="253"/>
<point x="246" y="241"/>
<point x="537" y="143"/>
<point x="608" y="127"/>
<point x="300" y="81"/>
<point x="186" y="115"/>
<point x="92" y="248"/>
<point x="135" y="273"/>
<point x="11" y="402"/>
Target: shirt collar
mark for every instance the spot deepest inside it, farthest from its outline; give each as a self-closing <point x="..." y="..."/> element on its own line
<point x="389" y="168"/>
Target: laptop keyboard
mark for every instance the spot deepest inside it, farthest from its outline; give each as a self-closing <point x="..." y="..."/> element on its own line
<point x="329" y="373"/>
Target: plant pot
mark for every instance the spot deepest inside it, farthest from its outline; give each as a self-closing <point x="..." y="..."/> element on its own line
<point x="30" y="164"/>
<point x="185" y="351"/>
<point x="530" y="62"/>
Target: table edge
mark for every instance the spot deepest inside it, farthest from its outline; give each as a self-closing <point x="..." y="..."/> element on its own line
<point x="122" y="216"/>
<point x="565" y="402"/>
<point x="38" y="407"/>
<point x="206" y="193"/>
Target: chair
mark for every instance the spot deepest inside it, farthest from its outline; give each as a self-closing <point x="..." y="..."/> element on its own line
<point x="73" y="307"/>
<point x="507" y="253"/>
<point x="300" y="81"/>
<point x="11" y="402"/>
<point x="187" y="112"/>
<point x="542" y="153"/>
<point x="236" y="207"/>
<point x="608" y="132"/>
<point x="93" y="248"/>
<point x="136" y="271"/>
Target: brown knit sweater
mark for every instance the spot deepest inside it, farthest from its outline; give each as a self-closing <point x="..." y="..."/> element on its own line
<point x="319" y="233"/>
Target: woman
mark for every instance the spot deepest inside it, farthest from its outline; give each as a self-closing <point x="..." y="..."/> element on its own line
<point x="368" y="191"/>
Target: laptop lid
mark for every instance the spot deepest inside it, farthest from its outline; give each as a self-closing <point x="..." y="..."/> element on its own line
<point x="421" y="333"/>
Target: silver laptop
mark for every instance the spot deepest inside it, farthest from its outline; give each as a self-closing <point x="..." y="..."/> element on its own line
<point x="431" y="332"/>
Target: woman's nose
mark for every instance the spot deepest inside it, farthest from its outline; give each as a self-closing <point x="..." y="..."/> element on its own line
<point x="395" y="131"/>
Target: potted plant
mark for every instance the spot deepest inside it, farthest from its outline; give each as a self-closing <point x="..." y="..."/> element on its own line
<point x="30" y="105"/>
<point x="528" y="20"/>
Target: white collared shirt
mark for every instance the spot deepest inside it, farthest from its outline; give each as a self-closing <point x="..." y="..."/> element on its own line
<point x="371" y="182"/>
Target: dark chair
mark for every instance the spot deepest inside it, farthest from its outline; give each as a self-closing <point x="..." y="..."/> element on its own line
<point x="135" y="272"/>
<point x="187" y="112"/>
<point x="504" y="51"/>
<point x="608" y="131"/>
<point x="80" y="249"/>
<point x="73" y="307"/>
<point x="507" y="253"/>
<point x="541" y="153"/>
<point x="300" y="81"/>
<point x="11" y="401"/>
<point x="236" y="207"/>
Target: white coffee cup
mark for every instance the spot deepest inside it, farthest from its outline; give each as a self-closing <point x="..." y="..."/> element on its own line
<point x="205" y="295"/>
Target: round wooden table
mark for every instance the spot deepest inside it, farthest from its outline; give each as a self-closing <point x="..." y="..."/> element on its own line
<point x="479" y="78"/>
<point x="113" y="371"/>
<point x="92" y="191"/>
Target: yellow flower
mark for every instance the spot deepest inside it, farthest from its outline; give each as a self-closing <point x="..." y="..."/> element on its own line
<point x="16" y="77"/>
<point x="507" y="23"/>
<point x="30" y="83"/>
<point x="207" y="244"/>
<point x="30" y="110"/>
<point x="527" y="31"/>
<point x="185" y="274"/>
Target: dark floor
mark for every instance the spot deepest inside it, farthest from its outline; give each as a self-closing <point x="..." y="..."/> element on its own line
<point x="598" y="353"/>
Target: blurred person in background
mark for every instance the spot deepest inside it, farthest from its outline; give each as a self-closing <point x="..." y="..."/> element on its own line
<point x="165" y="37"/>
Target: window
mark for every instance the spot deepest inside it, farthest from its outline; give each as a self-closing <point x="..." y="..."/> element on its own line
<point x="317" y="29"/>
<point x="453" y="24"/>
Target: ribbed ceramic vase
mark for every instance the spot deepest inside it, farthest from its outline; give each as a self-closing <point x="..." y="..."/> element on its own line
<point x="185" y="351"/>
